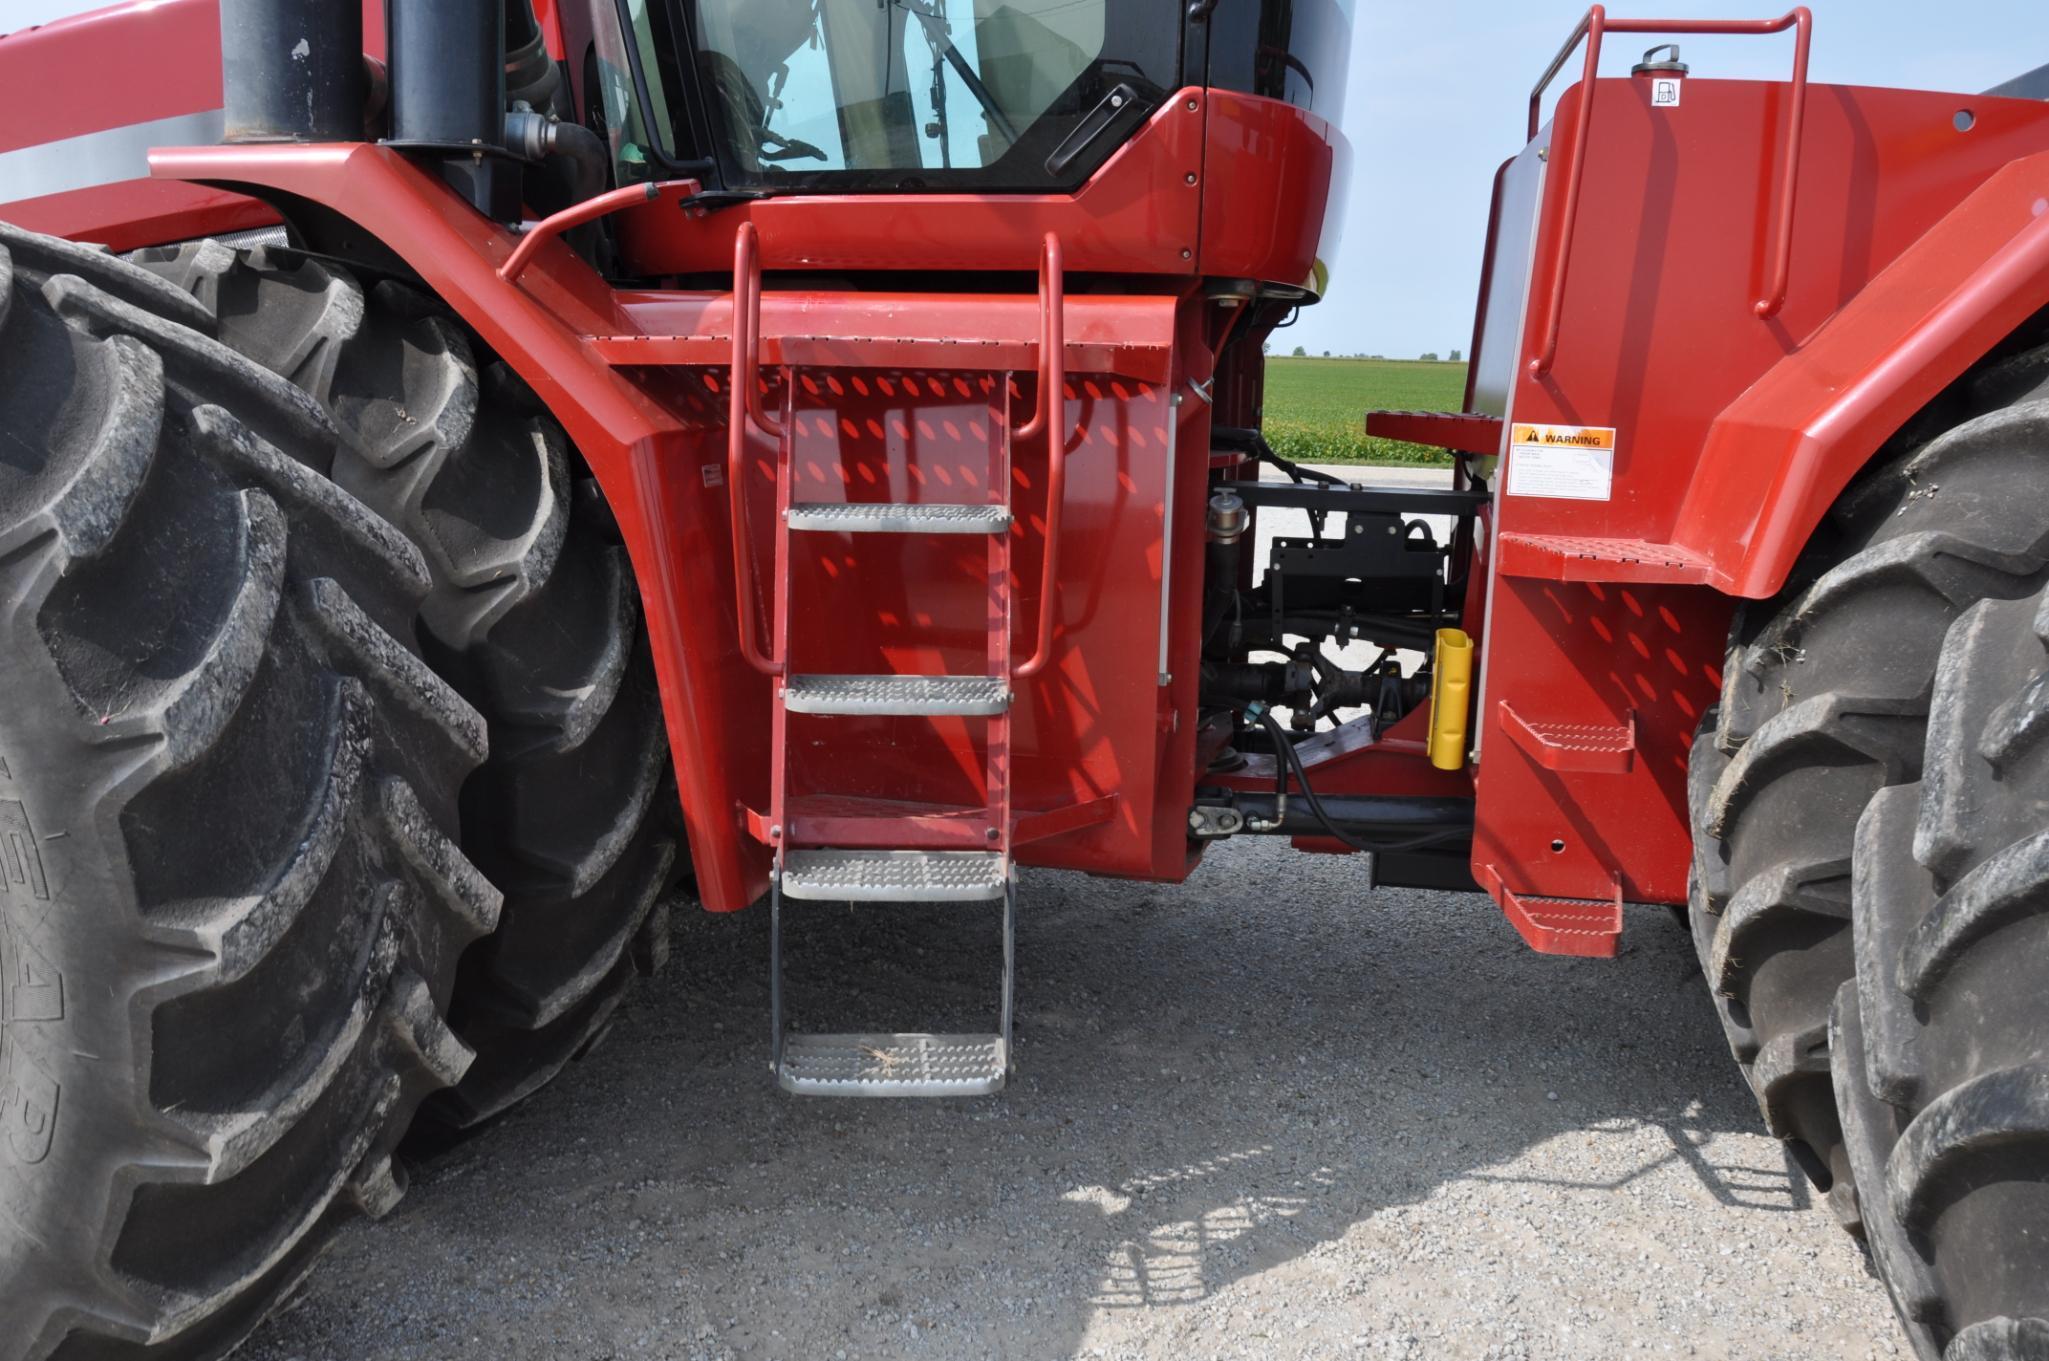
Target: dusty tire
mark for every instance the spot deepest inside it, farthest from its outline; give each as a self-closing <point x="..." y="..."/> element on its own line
<point x="534" y="616"/>
<point x="231" y="908"/>
<point x="1824" y="703"/>
<point x="1944" y="1035"/>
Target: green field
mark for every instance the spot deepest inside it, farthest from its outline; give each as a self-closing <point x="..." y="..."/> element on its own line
<point x="1316" y="408"/>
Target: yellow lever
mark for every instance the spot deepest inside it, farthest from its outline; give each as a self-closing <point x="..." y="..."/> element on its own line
<point x="1451" y="698"/>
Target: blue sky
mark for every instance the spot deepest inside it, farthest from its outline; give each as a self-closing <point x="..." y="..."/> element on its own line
<point x="1437" y="97"/>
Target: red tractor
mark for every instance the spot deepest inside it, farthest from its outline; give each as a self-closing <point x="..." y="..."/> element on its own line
<point x="457" y="454"/>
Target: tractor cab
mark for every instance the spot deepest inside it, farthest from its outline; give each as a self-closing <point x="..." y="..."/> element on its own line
<point x="838" y="97"/>
<point x="918" y="96"/>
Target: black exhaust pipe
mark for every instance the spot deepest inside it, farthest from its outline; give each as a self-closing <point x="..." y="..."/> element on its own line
<point x="292" y="70"/>
<point x="447" y="74"/>
<point x="448" y="96"/>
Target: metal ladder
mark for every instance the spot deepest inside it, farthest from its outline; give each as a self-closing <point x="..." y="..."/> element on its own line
<point x="908" y="858"/>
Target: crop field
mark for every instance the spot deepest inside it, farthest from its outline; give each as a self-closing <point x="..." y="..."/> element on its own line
<point x="1316" y="408"/>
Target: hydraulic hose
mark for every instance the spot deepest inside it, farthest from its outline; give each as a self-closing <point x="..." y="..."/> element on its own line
<point x="539" y="137"/>
<point x="1291" y="760"/>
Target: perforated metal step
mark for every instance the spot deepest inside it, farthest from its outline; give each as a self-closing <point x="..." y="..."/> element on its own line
<point x="1588" y="927"/>
<point x="935" y="696"/>
<point x="895" y="876"/>
<point x="1565" y="557"/>
<point x="893" y="1065"/>
<point x="1597" y="748"/>
<point x="841" y="518"/>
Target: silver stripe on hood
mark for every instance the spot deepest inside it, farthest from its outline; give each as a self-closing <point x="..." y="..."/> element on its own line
<point x="105" y="157"/>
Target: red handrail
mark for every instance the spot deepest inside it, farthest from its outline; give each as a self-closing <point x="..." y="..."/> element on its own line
<point x="747" y="304"/>
<point x="1050" y="419"/>
<point x="743" y="408"/>
<point x="1052" y="340"/>
<point x="590" y="210"/>
<point x="1591" y="28"/>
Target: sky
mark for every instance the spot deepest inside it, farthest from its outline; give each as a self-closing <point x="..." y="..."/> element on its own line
<point x="1439" y="90"/>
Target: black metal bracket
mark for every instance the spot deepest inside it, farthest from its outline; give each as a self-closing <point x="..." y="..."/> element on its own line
<point x="1382" y="500"/>
<point x="1366" y="816"/>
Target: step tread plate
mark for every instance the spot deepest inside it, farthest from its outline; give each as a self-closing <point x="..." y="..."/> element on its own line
<point x="893" y="1065"/>
<point x="927" y="696"/>
<point x="875" y="876"/>
<point x="840" y="517"/>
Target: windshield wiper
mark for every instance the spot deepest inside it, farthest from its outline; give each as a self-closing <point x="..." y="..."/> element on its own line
<point x="786" y="148"/>
<point x="939" y="37"/>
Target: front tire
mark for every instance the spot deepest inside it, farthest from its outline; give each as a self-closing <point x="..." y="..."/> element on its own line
<point x="535" y="617"/>
<point x="1825" y="703"/>
<point x="1871" y="895"/>
<point x="231" y="904"/>
<point x="1944" y="1033"/>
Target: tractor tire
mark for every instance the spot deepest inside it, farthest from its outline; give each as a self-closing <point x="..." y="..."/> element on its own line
<point x="1942" y="1040"/>
<point x="535" y="617"/>
<point x="1825" y="702"/>
<point x="231" y="903"/>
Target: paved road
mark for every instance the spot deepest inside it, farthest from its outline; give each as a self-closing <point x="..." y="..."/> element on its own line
<point x="1259" y="1115"/>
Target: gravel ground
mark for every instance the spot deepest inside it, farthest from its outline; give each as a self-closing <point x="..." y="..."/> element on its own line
<point x="1257" y="1115"/>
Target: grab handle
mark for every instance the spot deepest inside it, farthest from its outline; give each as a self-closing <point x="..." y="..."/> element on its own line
<point x="1591" y="28"/>
<point x="743" y="410"/>
<point x="1051" y="419"/>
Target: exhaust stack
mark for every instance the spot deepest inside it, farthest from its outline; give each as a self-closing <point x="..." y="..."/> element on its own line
<point x="292" y="70"/>
<point x="448" y="96"/>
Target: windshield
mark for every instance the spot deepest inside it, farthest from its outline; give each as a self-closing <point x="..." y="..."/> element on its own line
<point x="912" y="94"/>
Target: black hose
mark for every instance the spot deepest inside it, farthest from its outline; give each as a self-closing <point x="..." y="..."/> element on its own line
<point x="1292" y="760"/>
<point x="538" y="137"/>
<point x="586" y="151"/>
<point x="1234" y="436"/>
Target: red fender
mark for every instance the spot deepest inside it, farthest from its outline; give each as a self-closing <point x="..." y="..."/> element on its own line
<point x="645" y="459"/>
<point x="1777" y="457"/>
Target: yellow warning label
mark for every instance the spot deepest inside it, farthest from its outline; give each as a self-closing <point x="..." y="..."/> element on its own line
<point x="1570" y="462"/>
<point x="1570" y="436"/>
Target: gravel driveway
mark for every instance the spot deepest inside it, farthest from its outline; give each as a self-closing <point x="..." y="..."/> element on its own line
<point x="1258" y="1115"/>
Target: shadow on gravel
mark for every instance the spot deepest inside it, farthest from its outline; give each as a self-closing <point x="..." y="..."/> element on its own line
<point x="1214" y="1079"/>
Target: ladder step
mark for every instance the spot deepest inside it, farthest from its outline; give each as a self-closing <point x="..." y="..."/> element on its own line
<point x="934" y="696"/>
<point x="835" y="517"/>
<point x="893" y="1065"/>
<point x="895" y="876"/>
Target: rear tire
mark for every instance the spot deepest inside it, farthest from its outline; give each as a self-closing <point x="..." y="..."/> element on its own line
<point x="1824" y="703"/>
<point x="231" y="906"/>
<point x="1943" y="1037"/>
<point x="534" y="615"/>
